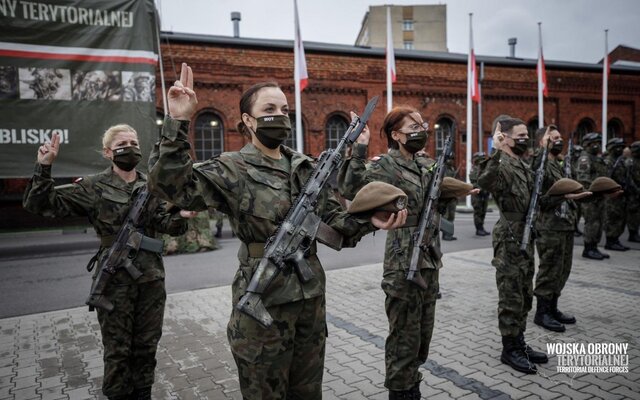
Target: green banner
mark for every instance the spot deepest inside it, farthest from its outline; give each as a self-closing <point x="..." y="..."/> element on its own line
<point x="74" y="68"/>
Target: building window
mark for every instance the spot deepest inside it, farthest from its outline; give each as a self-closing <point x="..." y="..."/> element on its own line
<point x="614" y="129"/>
<point x="209" y="140"/>
<point x="335" y="130"/>
<point x="407" y="25"/>
<point x="292" y="140"/>
<point x="443" y="128"/>
<point x="586" y="125"/>
<point x="408" y="45"/>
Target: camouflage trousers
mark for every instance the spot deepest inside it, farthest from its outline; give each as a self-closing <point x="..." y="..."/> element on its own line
<point x="479" y="209"/>
<point x="411" y="322"/>
<point x="615" y="216"/>
<point x="633" y="213"/>
<point x="514" y="278"/>
<point x="450" y="214"/>
<point x="286" y="360"/>
<point x="555" y="250"/>
<point x="130" y="335"/>
<point x="593" y="215"/>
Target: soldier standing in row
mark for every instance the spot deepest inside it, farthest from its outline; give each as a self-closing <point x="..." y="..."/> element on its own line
<point x="132" y="330"/>
<point x="480" y="202"/>
<point x="589" y="167"/>
<point x="450" y="214"/>
<point x="632" y="192"/>
<point x="256" y="187"/>
<point x="510" y="181"/>
<point x="577" y="152"/>
<point x="554" y="226"/>
<point x="615" y="207"/>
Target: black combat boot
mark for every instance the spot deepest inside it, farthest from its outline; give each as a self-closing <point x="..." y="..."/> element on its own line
<point x="400" y="395"/>
<point x="615" y="245"/>
<point x="590" y="251"/>
<point x="141" y="394"/>
<point x="577" y="232"/>
<point x="120" y="397"/>
<point x="515" y="357"/>
<point x="480" y="230"/>
<point x="634" y="237"/>
<point x="218" y="232"/>
<point x="447" y="237"/>
<point x="602" y="253"/>
<point x="415" y="392"/>
<point x="544" y="318"/>
<point x="559" y="315"/>
<point x="536" y="357"/>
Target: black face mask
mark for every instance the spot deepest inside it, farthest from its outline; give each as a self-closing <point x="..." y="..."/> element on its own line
<point x="617" y="151"/>
<point x="594" y="149"/>
<point x="273" y="130"/>
<point x="520" y="146"/>
<point x="126" y="158"/>
<point x="557" y="147"/>
<point x="415" y="141"/>
<point x="635" y="153"/>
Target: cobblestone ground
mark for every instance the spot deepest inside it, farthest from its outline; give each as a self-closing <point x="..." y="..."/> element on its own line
<point x="58" y="355"/>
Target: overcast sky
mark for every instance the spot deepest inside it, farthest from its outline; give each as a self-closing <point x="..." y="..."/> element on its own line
<point x="572" y="30"/>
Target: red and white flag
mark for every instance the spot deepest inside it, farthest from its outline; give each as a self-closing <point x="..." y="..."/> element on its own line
<point x="542" y="72"/>
<point x="300" y="61"/>
<point x="475" y="92"/>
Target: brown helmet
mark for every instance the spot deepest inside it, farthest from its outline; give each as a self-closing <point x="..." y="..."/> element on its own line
<point x="604" y="185"/>
<point x="564" y="186"/>
<point x="378" y="196"/>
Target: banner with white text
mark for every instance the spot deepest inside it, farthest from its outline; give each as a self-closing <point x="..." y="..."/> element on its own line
<point x="74" y="68"/>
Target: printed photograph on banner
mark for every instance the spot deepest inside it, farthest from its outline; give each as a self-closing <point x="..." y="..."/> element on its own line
<point x="8" y="82"/>
<point x="45" y="83"/>
<point x="97" y="85"/>
<point x="138" y="86"/>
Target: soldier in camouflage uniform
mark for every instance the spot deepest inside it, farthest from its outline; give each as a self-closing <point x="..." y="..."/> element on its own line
<point x="255" y="187"/>
<point x="510" y="181"/>
<point x="197" y="238"/>
<point x="410" y="309"/>
<point x="554" y="228"/>
<point x="590" y="166"/>
<point x="632" y="192"/>
<point x="130" y="333"/>
<point x="450" y="214"/>
<point x="577" y="152"/>
<point x="480" y="202"/>
<point x="615" y="207"/>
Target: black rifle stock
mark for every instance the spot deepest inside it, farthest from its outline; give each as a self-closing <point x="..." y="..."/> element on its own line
<point x="532" y="213"/>
<point x="296" y="233"/>
<point x="121" y="253"/>
<point x="427" y="229"/>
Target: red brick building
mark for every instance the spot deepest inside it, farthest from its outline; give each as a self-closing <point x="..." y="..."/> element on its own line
<point x="342" y="78"/>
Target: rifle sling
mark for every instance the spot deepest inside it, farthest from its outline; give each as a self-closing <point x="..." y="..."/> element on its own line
<point x="147" y="243"/>
<point x="256" y="250"/>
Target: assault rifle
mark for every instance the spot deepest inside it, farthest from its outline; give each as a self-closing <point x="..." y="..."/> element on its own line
<point x="300" y="228"/>
<point x="427" y="229"/>
<point x="128" y="242"/>
<point x="532" y="213"/>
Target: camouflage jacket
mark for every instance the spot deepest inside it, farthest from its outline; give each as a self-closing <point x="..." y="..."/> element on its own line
<point x="473" y="179"/>
<point x="588" y="168"/>
<point x="510" y="181"/>
<point x="633" y="177"/>
<point x="256" y="193"/>
<point x="549" y="216"/>
<point x="616" y="169"/>
<point x="413" y="177"/>
<point x="105" y="199"/>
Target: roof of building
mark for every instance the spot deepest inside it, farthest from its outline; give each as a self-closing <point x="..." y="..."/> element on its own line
<point x="319" y="47"/>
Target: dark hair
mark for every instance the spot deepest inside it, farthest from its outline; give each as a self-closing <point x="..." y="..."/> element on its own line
<point x="541" y="131"/>
<point x="247" y="100"/>
<point x="498" y="119"/>
<point x="393" y="122"/>
<point x="507" y="124"/>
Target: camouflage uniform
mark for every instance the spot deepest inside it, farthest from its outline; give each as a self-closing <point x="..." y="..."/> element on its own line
<point x="510" y="181"/>
<point x="632" y="191"/>
<point x="285" y="360"/>
<point x="615" y="208"/>
<point x="450" y="213"/>
<point x="130" y="333"/>
<point x="480" y="202"/>
<point x="588" y="168"/>
<point x="410" y="309"/>
<point x="198" y="237"/>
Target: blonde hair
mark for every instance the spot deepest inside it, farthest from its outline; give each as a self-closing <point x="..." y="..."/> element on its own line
<point x="110" y="134"/>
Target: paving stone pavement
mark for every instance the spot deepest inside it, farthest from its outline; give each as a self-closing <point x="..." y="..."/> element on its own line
<point x="58" y="355"/>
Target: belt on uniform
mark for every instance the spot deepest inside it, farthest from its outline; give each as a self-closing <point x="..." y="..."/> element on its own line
<point x="256" y="249"/>
<point x="146" y="243"/>
<point x="514" y="216"/>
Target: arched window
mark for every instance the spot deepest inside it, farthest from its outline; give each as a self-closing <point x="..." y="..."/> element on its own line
<point x="443" y="128"/>
<point x="334" y="131"/>
<point x="614" y="128"/>
<point x="208" y="136"/>
<point x="292" y="140"/>
<point x="586" y="125"/>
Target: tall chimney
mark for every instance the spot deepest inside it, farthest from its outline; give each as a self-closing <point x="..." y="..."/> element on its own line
<point x="235" y="17"/>
<point x="512" y="47"/>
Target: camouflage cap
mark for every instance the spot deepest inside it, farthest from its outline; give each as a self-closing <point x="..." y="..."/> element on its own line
<point x="615" y="142"/>
<point x="577" y="148"/>
<point x="453" y="188"/>
<point x="635" y="145"/>
<point x="564" y="186"/>
<point x="604" y="185"/>
<point x="378" y="196"/>
<point x="591" y="137"/>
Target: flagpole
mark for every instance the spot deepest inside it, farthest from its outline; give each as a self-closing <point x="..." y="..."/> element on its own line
<point x="296" y="78"/>
<point x="388" y="59"/>
<point x="605" y="89"/>
<point x="469" y="108"/>
<point x="540" y="95"/>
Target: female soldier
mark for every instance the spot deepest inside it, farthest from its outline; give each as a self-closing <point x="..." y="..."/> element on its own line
<point x="255" y="187"/>
<point x="410" y="309"/>
<point x="131" y="331"/>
